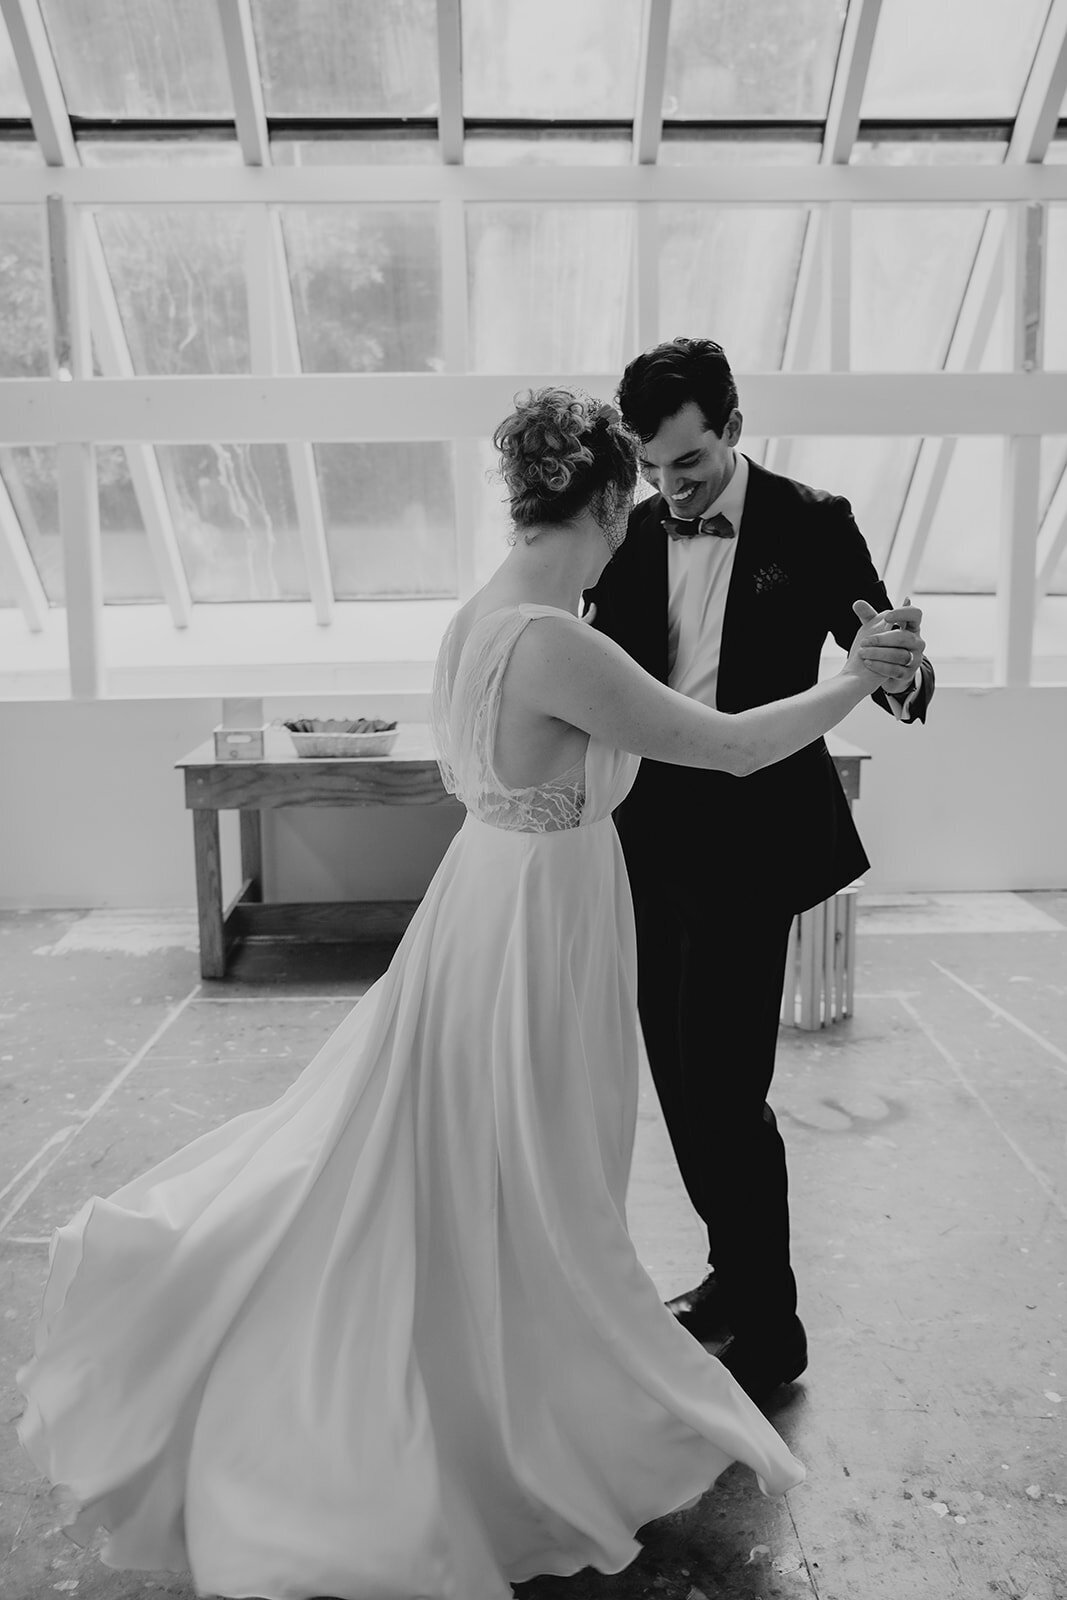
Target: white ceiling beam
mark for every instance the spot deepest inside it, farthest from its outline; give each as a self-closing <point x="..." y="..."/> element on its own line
<point x="18" y="566"/>
<point x="450" y="82"/>
<point x="1039" y="109"/>
<point x="850" y="81"/>
<point x="819" y="292"/>
<point x="648" y="122"/>
<point x="722" y="184"/>
<point x="1052" y="538"/>
<point x="345" y="406"/>
<point x="40" y="80"/>
<point x="239" y="42"/>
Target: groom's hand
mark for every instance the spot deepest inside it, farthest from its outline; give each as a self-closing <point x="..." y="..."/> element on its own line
<point x="905" y="619"/>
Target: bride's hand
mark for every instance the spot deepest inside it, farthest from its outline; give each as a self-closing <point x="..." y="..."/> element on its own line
<point x="888" y="646"/>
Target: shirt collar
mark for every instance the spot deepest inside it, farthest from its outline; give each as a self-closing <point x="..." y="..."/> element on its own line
<point x="731" y="503"/>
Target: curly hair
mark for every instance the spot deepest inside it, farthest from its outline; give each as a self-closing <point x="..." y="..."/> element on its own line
<point x="560" y="450"/>
<point x="658" y="383"/>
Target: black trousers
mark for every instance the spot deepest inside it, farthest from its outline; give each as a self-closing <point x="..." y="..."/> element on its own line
<point x="710" y="973"/>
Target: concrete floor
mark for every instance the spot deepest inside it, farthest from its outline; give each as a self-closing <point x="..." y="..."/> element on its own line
<point x="929" y="1180"/>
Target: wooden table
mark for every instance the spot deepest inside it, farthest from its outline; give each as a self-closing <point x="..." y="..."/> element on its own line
<point x="407" y="777"/>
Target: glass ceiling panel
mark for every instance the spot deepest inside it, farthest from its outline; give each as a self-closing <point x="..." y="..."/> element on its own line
<point x="1055" y="278"/>
<point x="20" y="153"/>
<point x="910" y="268"/>
<point x="931" y="147"/>
<point x="550" y="58"/>
<point x="140" y="58"/>
<point x="29" y="475"/>
<point x="548" y="147"/>
<point x="160" y="152"/>
<point x="347" y="58"/>
<point x="390" y="518"/>
<point x="736" y="58"/>
<point x="728" y="275"/>
<point x="962" y="552"/>
<point x="13" y="102"/>
<point x="235" y="520"/>
<point x="955" y="58"/>
<point x="366" y="287"/>
<point x="24" y="336"/>
<point x="395" y="150"/>
<point x="548" y="287"/>
<point x="1053" y="465"/>
<point x="179" y="277"/>
<point x="686" y="148"/>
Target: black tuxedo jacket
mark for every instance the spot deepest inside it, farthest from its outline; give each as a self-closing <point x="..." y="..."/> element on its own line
<point x="784" y="832"/>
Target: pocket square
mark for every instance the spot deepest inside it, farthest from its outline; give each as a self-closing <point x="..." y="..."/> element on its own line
<point x="772" y="577"/>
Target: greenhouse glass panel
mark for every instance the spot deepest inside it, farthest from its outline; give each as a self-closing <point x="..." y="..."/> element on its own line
<point x="24" y="333"/>
<point x="20" y="153"/>
<point x="929" y="147"/>
<point x="548" y="147"/>
<point x="29" y="474"/>
<point x="140" y="58"/>
<point x="551" y="58"/>
<point x="755" y="147"/>
<point x="347" y="58"/>
<point x="548" y="287"/>
<point x="957" y="58"/>
<point x="963" y="550"/>
<point x="390" y="519"/>
<point x="213" y="152"/>
<point x="1055" y="356"/>
<point x="733" y="58"/>
<point x="728" y="274"/>
<point x="366" y="287"/>
<point x="235" y="519"/>
<point x="1053" y="466"/>
<point x="13" y="102"/>
<point x="129" y="571"/>
<point x="872" y="474"/>
<point x="179" y="277"/>
<point x="395" y="149"/>
<point x="910" y="268"/>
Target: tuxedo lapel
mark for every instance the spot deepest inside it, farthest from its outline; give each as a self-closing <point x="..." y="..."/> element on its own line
<point x="756" y="541"/>
<point x="640" y="580"/>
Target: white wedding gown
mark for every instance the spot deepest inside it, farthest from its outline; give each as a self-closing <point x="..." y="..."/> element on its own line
<point x="388" y="1336"/>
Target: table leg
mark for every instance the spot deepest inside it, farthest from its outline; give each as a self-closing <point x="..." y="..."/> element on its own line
<point x="251" y="823"/>
<point x="209" y="894"/>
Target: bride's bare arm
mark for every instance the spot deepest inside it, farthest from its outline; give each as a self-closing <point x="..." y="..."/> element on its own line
<point x="581" y="677"/>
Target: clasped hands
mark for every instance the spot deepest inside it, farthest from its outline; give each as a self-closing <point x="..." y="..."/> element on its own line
<point x="888" y="645"/>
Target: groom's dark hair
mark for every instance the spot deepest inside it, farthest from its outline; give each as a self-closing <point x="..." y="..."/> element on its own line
<point x="657" y="384"/>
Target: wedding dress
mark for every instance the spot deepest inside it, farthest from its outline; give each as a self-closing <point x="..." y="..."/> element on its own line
<point x="388" y="1336"/>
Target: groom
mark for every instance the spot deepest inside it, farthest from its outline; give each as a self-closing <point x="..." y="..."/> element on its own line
<point x="726" y="587"/>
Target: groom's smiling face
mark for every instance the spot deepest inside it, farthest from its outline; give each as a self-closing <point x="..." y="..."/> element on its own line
<point x="688" y="462"/>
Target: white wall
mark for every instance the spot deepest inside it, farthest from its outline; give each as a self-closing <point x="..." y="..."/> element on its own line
<point x="92" y="812"/>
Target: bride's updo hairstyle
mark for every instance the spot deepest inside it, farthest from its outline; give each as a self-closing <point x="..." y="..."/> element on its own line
<point x="562" y="452"/>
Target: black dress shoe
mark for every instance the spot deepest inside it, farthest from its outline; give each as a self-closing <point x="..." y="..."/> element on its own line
<point x="761" y="1368"/>
<point x="700" y="1311"/>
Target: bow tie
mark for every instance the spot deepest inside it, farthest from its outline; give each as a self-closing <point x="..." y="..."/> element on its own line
<point x="718" y="524"/>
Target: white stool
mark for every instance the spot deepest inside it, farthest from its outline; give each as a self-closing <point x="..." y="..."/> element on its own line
<point x="820" y="963"/>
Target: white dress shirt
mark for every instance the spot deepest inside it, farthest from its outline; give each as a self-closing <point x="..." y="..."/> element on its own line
<point x="698" y="579"/>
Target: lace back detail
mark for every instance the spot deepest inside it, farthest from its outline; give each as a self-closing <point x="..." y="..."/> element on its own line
<point x="464" y="709"/>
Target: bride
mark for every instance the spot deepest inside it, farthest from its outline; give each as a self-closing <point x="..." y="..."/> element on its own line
<point x="388" y="1336"/>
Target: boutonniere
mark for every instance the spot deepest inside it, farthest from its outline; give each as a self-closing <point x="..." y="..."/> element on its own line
<point x="767" y="578"/>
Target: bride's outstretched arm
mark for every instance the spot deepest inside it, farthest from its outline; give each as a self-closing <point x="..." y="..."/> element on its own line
<point x="575" y="674"/>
